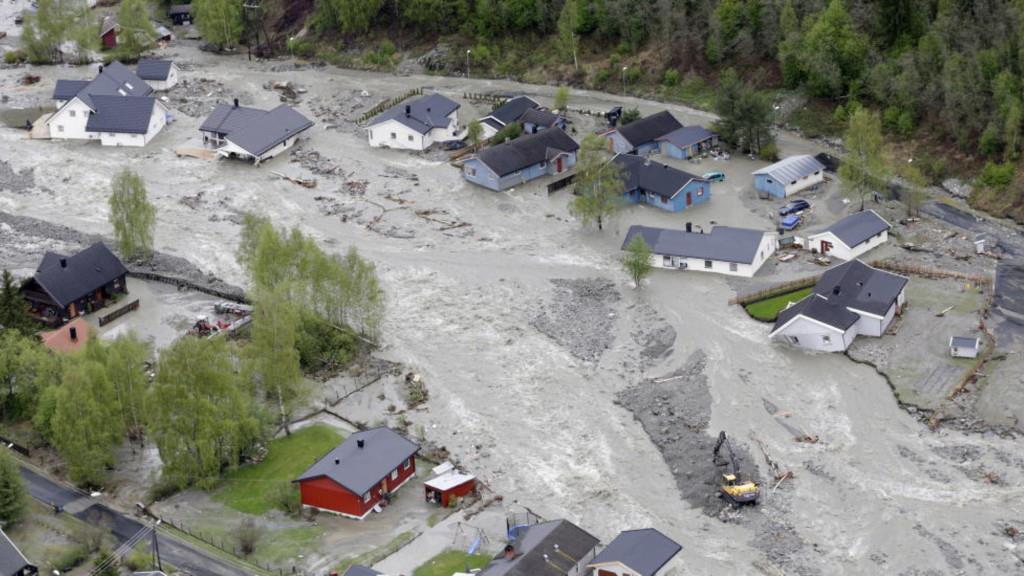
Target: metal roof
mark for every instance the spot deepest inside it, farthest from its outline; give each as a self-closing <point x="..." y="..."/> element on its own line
<point x="512" y="109"/>
<point x="792" y="169"/>
<point x="644" y="551"/>
<point x="549" y="549"/>
<point x="858" y="227"/>
<point x="723" y="243"/>
<point x="654" y="177"/>
<point x="268" y="131"/>
<point x="526" y="151"/>
<point x="359" y="469"/>
<point x="120" y="114"/>
<point x="687" y="136"/>
<point x="359" y="570"/>
<point x="650" y="128"/>
<point x="964" y="342"/>
<point x="857" y="286"/>
<point x="154" y="69"/>
<point x="424" y="113"/>
<point x="84" y="273"/>
<point x="817" y="307"/>
<point x="449" y="480"/>
<point x="12" y="561"/>
<point x="227" y="118"/>
<point x="67" y="89"/>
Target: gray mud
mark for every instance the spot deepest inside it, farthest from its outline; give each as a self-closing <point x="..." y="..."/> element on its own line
<point x="580" y="316"/>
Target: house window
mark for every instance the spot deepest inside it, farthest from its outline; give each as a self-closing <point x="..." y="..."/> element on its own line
<point x="793" y="182"/>
<point x="408" y="464"/>
<point x="394" y="136"/>
<point x="769" y="181"/>
<point x="394" y="474"/>
<point x="366" y="497"/>
<point x="700" y="191"/>
<point x="733" y="267"/>
<point x="707" y="264"/>
<point x="794" y="340"/>
<point x="826" y="339"/>
<point x="60" y="128"/>
<point x="371" y="134"/>
<point x="71" y="113"/>
<point x="666" y="261"/>
<point x="471" y="171"/>
<point x="410" y="137"/>
<point x="664" y="200"/>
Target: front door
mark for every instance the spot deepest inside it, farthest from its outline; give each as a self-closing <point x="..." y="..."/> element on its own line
<point x="689" y="198"/>
<point x="558" y="165"/>
<point x="825" y="246"/>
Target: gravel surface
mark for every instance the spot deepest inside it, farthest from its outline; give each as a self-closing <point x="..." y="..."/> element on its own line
<point x="580" y="316"/>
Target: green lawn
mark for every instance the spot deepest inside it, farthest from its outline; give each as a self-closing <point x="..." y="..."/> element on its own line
<point x="768" y="310"/>
<point x="251" y="489"/>
<point x="450" y="562"/>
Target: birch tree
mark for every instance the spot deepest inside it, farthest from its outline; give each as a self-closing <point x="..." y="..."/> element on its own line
<point x="863" y="168"/>
<point x="599" y="184"/>
<point x="568" y="24"/>
<point x="131" y="215"/>
<point x="272" y="360"/>
<point x="219" y="21"/>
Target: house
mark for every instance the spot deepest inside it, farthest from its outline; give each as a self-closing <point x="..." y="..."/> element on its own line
<point x="65" y="287"/>
<point x="358" y="476"/>
<point x="163" y="34"/>
<point x="448" y="485"/>
<point x="521" y="160"/>
<point x="116" y="107"/>
<point x="12" y="561"/>
<point x="725" y="250"/>
<point x="359" y="570"/>
<point x="964" y="347"/>
<point x="68" y="338"/>
<point x="642" y="136"/>
<point x="850" y="300"/>
<point x="659" y="185"/>
<point x="555" y="548"/>
<point x="510" y="111"/>
<point x="687" y="142"/>
<point x="416" y="125"/>
<point x="180" y="14"/>
<point x="159" y="74"/>
<point x="251" y="133"/>
<point x="852" y="236"/>
<point x="109" y="29"/>
<point x="635" y="553"/>
<point x="789" y="176"/>
<point x="536" y="119"/>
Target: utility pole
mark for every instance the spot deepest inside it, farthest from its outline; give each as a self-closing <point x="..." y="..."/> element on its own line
<point x="624" y="68"/>
<point x="467" y="62"/>
<point x="156" y="548"/>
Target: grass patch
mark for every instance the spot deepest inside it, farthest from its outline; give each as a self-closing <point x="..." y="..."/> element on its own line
<point x="377" y="554"/>
<point x="450" y="562"/>
<point x="254" y="489"/>
<point x="768" y="310"/>
<point x="276" y="548"/>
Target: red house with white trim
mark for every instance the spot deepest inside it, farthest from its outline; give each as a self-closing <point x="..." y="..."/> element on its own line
<point x="360" y="473"/>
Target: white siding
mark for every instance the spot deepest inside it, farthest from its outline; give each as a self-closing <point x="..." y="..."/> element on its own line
<point x="68" y="123"/>
<point x="171" y="82"/>
<point x="764" y="251"/>
<point x="804" y="333"/>
<point x="394" y="134"/>
<point x="844" y="252"/>
<point x="616" y="568"/>
<point x="804" y="182"/>
<point x="230" y="148"/>
<point x="157" y="121"/>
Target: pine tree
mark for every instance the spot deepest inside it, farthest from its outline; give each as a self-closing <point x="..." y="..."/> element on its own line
<point x="14" y="311"/>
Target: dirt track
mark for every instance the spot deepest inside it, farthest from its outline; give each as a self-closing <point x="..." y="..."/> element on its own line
<point x="537" y="420"/>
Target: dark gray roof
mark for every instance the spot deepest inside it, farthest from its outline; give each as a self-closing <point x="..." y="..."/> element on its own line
<point x="120" y="114"/>
<point x="723" y="243"/>
<point x="269" y="130"/>
<point x="650" y="128"/>
<point x="154" y="69"/>
<point x="179" y="9"/>
<point x="526" y="151"/>
<point x="857" y="286"/>
<point x="115" y="79"/>
<point x="643" y="551"/>
<point x="540" y="540"/>
<point x="513" y="109"/>
<point x="359" y="469"/>
<point x="859" y="227"/>
<point x="492" y="123"/>
<point x="86" y="272"/>
<point x="792" y="169"/>
<point x="650" y="176"/>
<point x="67" y="89"/>
<point x="539" y="117"/>
<point x="226" y="118"/>
<point x="425" y="113"/>
<point x="358" y="570"/>
<point x="964" y="342"/>
<point x="818" y="308"/>
<point x="12" y="561"/>
<point x="688" y="136"/>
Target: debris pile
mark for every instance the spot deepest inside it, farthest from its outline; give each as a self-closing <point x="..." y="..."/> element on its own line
<point x="314" y="162"/>
<point x="196" y="97"/>
<point x="580" y="316"/>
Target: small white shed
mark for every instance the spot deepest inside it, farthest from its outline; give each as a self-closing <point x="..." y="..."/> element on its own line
<point x="964" y="347"/>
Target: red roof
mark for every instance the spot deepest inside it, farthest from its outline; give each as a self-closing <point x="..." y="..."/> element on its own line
<point x="59" y="340"/>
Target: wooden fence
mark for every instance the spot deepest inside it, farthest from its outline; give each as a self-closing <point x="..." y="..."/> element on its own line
<point x="122" y="311"/>
<point x="776" y="290"/>
<point x="925" y="272"/>
<point x="183" y="283"/>
<point x="382" y="106"/>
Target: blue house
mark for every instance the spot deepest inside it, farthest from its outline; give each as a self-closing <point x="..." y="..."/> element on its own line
<point x="789" y="176"/>
<point x="641" y="136"/>
<point x="536" y="119"/>
<point x="659" y="185"/>
<point x="521" y="160"/>
<point x="687" y="142"/>
<point x="510" y="111"/>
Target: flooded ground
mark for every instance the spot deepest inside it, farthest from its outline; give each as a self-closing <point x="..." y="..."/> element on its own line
<point x="499" y="318"/>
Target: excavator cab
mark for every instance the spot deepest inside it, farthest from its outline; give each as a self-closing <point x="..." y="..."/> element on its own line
<point x="737" y="491"/>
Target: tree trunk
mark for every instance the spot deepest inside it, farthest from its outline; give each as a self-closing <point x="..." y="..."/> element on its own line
<point x="284" y="415"/>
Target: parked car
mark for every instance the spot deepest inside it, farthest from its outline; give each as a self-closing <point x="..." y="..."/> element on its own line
<point x="789" y="223"/>
<point x="454" y="145"/>
<point x="794" y="207"/>
<point x="714" y="176"/>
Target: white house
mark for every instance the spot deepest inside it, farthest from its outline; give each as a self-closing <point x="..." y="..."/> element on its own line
<point x="416" y="125"/>
<point x="852" y="236"/>
<point x="725" y="250"/>
<point x="964" y="347"/>
<point x="253" y="134"/>
<point x="116" y="107"/>
<point x="635" y="553"/>
<point x="789" y="176"/>
<point x="160" y="74"/>
<point x="850" y="300"/>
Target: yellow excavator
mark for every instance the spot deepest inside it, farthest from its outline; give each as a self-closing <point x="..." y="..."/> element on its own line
<point x="738" y="492"/>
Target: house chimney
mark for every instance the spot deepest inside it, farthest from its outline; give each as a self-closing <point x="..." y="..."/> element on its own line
<point x="236" y="102"/>
<point x="835" y="291"/>
<point x="510" y="551"/>
<point x="360" y="442"/>
<point x="689" y="227"/>
<point x="73" y="332"/>
<point x="101" y="68"/>
<point x="63" y="262"/>
<point x="337" y="461"/>
<point x="408" y="109"/>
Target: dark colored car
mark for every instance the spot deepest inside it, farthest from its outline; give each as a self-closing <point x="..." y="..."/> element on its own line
<point x="794" y="207"/>
<point x="454" y="145"/>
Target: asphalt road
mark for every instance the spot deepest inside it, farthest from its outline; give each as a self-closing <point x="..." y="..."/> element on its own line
<point x="180" y="553"/>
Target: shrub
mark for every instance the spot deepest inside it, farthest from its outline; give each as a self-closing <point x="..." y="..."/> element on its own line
<point x="508" y="133"/>
<point x="108" y="562"/>
<point x="15" y="57"/>
<point x="138" y="561"/>
<point x="321" y="346"/>
<point x="990" y="144"/>
<point x="905" y="124"/>
<point x="602" y="77"/>
<point x="633" y="75"/>
<point x="72" y="558"/>
<point x="302" y="48"/>
<point x="288" y="498"/>
<point x="996" y="175"/>
<point x="671" y="78"/>
<point x="769" y="152"/>
<point x="630" y="115"/>
<point x="933" y="167"/>
<point x="248" y="534"/>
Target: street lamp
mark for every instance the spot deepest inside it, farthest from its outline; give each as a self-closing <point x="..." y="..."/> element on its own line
<point x="291" y="47"/>
<point x="467" y="62"/>
<point x="624" y="68"/>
